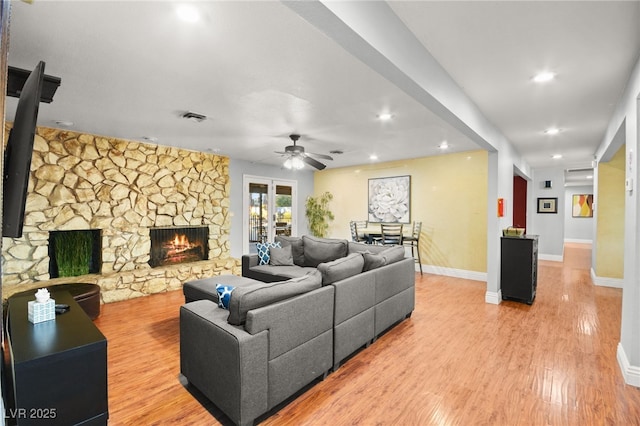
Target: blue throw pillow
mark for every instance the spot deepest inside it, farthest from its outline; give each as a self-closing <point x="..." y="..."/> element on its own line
<point x="263" y="251"/>
<point x="224" y="295"/>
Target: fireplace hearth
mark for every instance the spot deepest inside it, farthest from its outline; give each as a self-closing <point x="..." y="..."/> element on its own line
<point x="171" y="246"/>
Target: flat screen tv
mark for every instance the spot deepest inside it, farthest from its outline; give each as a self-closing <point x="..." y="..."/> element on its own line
<point x="17" y="159"/>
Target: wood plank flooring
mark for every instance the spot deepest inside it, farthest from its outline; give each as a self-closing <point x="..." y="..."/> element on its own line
<point x="456" y="361"/>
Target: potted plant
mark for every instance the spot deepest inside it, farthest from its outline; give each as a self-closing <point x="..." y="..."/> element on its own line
<point x="318" y="214"/>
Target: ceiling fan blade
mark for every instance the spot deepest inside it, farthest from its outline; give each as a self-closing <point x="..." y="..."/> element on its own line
<point x="326" y="157"/>
<point x="313" y="163"/>
<point x="279" y="152"/>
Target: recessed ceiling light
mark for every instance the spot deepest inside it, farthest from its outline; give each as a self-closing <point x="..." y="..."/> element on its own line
<point x="64" y="123"/>
<point x="556" y="156"/>
<point x="543" y="77"/>
<point x="373" y="157"/>
<point x="552" y="131"/>
<point x="444" y="145"/>
<point x="385" y="116"/>
<point x="188" y="13"/>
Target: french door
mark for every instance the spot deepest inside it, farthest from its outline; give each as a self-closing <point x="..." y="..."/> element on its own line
<point x="269" y="209"/>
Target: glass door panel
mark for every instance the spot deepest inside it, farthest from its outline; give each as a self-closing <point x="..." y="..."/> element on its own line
<point x="258" y="212"/>
<point x="269" y="210"/>
<point x="283" y="210"/>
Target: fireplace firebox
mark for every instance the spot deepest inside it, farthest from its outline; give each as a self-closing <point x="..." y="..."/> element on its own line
<point x="178" y="245"/>
<point x="74" y="253"/>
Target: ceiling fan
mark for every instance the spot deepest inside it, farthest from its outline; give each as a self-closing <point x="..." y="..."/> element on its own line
<point x="296" y="157"/>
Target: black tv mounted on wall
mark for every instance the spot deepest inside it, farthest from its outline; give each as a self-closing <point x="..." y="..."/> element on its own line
<point x="17" y="159"/>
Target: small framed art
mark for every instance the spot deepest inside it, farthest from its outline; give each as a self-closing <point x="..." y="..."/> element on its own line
<point x="547" y="205"/>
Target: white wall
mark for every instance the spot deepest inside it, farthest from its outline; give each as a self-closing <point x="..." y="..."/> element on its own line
<point x="577" y="229"/>
<point x="238" y="168"/>
<point x="549" y="226"/>
<point x="627" y="113"/>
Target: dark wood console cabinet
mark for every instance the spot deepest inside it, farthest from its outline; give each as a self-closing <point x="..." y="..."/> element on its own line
<point x="519" y="268"/>
<point x="58" y="368"/>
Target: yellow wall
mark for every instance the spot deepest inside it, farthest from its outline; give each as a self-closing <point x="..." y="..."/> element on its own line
<point x="609" y="205"/>
<point x="448" y="194"/>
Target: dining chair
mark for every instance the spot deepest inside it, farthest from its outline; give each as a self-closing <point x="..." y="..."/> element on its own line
<point x="414" y="242"/>
<point x="391" y="234"/>
<point x="354" y="225"/>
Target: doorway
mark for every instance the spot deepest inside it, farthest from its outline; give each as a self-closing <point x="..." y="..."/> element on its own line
<point x="269" y="209"/>
<point x="519" y="202"/>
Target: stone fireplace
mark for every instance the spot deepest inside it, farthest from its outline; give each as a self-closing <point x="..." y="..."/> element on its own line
<point x="126" y="189"/>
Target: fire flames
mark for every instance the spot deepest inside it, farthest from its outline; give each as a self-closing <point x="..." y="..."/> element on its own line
<point x="181" y="242"/>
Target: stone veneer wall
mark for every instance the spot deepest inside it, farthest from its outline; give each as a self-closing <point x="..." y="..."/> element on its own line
<point x="124" y="188"/>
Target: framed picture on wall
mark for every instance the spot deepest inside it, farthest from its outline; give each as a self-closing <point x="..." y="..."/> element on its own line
<point x="582" y="205"/>
<point x="390" y="199"/>
<point x="548" y="205"/>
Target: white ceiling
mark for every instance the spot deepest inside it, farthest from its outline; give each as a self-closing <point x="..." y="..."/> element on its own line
<point x="259" y="72"/>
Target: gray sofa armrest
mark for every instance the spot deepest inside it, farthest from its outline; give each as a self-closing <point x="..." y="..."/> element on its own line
<point x="248" y="261"/>
<point x="226" y="363"/>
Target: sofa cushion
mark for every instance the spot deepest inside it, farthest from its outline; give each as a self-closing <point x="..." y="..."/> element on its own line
<point x="263" y="251"/>
<point x="340" y="269"/>
<point x="393" y="254"/>
<point x="244" y="299"/>
<point x="321" y="250"/>
<point x="224" y="294"/>
<point x="372" y="261"/>
<point x="297" y="247"/>
<point x="280" y="256"/>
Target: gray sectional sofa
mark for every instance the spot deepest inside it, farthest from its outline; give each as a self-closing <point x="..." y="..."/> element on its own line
<point x="289" y="321"/>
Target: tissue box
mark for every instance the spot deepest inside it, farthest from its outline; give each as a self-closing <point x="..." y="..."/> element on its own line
<point x="41" y="311"/>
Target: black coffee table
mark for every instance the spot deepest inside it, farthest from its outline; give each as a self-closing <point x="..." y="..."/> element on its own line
<point x="59" y="366"/>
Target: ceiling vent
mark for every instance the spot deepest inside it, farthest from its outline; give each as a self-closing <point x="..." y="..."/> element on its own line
<point x="194" y="116"/>
<point x="582" y="170"/>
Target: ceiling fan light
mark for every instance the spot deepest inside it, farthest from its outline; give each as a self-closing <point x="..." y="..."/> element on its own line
<point x="297" y="163"/>
<point x="294" y="163"/>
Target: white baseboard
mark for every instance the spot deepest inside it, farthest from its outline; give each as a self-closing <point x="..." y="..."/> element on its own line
<point x="606" y="281"/>
<point x="630" y="373"/>
<point x="552" y="257"/>
<point x="493" y="297"/>
<point x="452" y="272"/>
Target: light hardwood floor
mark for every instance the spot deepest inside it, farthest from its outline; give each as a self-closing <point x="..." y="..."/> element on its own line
<point x="456" y="361"/>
